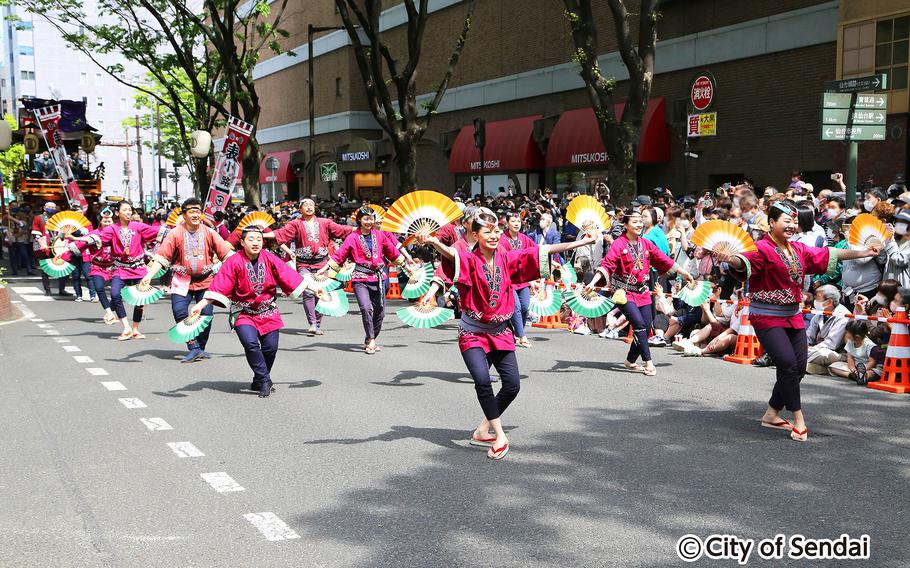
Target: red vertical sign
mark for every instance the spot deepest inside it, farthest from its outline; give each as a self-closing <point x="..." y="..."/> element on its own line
<point x="49" y="119"/>
<point x="224" y="176"/>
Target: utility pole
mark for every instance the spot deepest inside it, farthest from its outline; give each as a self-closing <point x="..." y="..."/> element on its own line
<point x="311" y="162"/>
<point x="139" y="164"/>
<point x="162" y="185"/>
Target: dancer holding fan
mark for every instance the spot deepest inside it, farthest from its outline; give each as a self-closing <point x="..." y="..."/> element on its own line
<point x="513" y="239"/>
<point x="248" y="283"/>
<point x="188" y="250"/>
<point x="127" y="239"/>
<point x="370" y="249"/>
<point x="774" y="272"/>
<point x="485" y="278"/>
<point x="626" y="268"/>
<point x="101" y="264"/>
<point x="312" y="237"/>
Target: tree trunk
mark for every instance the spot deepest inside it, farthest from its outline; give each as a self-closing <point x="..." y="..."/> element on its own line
<point x="251" y="172"/>
<point x="623" y="166"/>
<point x="202" y="177"/>
<point x="406" y="162"/>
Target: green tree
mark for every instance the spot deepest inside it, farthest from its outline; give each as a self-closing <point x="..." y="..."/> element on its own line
<point x="12" y="161"/>
<point x="212" y="44"/>
<point x="621" y="134"/>
<point x="392" y="86"/>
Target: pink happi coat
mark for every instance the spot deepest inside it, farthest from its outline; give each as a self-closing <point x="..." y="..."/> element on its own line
<point x="486" y="296"/>
<point x="522" y="241"/>
<point x="619" y="262"/>
<point x="312" y="240"/>
<point x="370" y="262"/>
<point x="127" y="247"/>
<point x="769" y="279"/>
<point x="100" y="256"/>
<point x="250" y="288"/>
<point x="174" y="252"/>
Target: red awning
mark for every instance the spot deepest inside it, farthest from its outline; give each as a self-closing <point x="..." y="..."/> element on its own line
<point x="284" y="174"/>
<point x="510" y="147"/>
<point x="575" y="141"/>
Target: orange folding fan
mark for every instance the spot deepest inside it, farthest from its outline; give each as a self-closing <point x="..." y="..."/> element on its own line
<point x="175" y="216"/>
<point x="421" y="211"/>
<point x="723" y="236"/>
<point x="379" y="209"/>
<point x="867" y="230"/>
<point x="259" y="219"/>
<point x="584" y="211"/>
<point x="67" y="222"/>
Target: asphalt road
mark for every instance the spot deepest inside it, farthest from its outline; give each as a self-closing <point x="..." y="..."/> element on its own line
<point x="362" y="460"/>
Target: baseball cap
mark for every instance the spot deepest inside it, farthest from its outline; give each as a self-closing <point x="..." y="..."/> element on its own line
<point x="643" y="200"/>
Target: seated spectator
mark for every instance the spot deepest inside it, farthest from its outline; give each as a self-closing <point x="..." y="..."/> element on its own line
<point x="826" y="333"/>
<point x="861" y="364"/>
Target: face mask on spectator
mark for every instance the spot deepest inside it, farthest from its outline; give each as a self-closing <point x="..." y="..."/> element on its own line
<point x="819" y="305"/>
<point x="868" y="205"/>
<point x="542" y="224"/>
<point x="684" y="223"/>
<point x="900" y="228"/>
<point x="880" y="299"/>
<point x="832" y="213"/>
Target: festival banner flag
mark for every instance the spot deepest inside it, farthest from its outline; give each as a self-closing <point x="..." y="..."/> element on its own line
<point x="224" y="176"/>
<point x="49" y="119"/>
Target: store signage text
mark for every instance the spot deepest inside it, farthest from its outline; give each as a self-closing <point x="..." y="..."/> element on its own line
<point x="701" y="94"/>
<point x="487" y="165"/>
<point x="590" y="158"/>
<point x="704" y="124"/>
<point x="355" y="156"/>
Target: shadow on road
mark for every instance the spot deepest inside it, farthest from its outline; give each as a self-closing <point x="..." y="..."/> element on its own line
<point x="231" y="387"/>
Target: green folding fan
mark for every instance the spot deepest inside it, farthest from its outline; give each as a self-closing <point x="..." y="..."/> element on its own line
<point x="189" y="329"/>
<point x="140" y="295"/>
<point x="589" y="305"/>
<point x="216" y="267"/>
<point x="567" y="274"/>
<point x="424" y="316"/>
<point x="323" y="283"/>
<point x="546" y="302"/>
<point x="695" y="294"/>
<point x="334" y="304"/>
<point x="345" y="273"/>
<point x="56" y="267"/>
<point x="419" y="281"/>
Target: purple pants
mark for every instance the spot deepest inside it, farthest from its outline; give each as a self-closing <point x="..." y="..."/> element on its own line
<point x="790" y="351"/>
<point x="371" y="299"/>
<point x="309" y="299"/>
<point x="260" y="353"/>
<point x="478" y="364"/>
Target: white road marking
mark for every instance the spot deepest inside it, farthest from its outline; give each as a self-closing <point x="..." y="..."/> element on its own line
<point x="29" y="298"/>
<point x="271" y="527"/>
<point x="221" y="482"/>
<point x="71" y="349"/>
<point x="185" y="450"/>
<point x="96" y="371"/>
<point x="45" y="325"/>
<point x="132" y="403"/>
<point x="156" y="424"/>
<point x="36" y="320"/>
<point x="27" y="290"/>
<point x="82" y="358"/>
<point x="62" y="339"/>
<point x="52" y="332"/>
<point x="113" y="385"/>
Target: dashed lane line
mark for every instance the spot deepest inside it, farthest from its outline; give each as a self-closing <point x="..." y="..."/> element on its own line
<point x="71" y="349"/>
<point x="185" y="449"/>
<point x="271" y="527"/>
<point x="156" y="424"/>
<point x="83" y="359"/>
<point x="221" y="482"/>
<point x="96" y="371"/>
<point x="113" y="385"/>
<point x="132" y="403"/>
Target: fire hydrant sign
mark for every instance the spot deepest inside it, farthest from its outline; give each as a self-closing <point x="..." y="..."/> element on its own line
<point x="704" y="124"/>
<point x="701" y="95"/>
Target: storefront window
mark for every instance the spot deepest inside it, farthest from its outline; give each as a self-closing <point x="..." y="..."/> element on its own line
<point x="892" y="43"/>
<point x="581" y="182"/>
<point x="518" y="184"/>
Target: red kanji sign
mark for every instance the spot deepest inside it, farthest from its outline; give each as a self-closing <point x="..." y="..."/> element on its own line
<point x="702" y="93"/>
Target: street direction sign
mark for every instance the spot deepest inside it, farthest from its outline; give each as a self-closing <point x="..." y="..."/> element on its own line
<point x="843" y="100"/>
<point x="854" y="133"/>
<point x="841" y="116"/>
<point x="858" y="85"/>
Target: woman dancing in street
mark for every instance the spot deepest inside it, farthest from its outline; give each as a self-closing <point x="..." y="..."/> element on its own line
<point x="370" y="250"/>
<point x="485" y="278"/>
<point x="248" y="283"/>
<point x="127" y="239"/>
<point x="514" y="239"/>
<point x="775" y="274"/>
<point x="626" y="266"/>
<point x="101" y="267"/>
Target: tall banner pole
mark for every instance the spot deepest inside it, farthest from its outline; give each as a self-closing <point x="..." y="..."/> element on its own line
<point x="224" y="176"/>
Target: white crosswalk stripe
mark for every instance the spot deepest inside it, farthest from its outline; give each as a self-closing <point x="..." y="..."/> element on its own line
<point x="271" y="527"/>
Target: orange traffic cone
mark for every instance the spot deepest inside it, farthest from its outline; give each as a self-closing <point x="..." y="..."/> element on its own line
<point x="349" y="287"/>
<point x="550" y="322"/>
<point x="748" y="348"/>
<point x="629" y="338"/>
<point x="896" y="372"/>
<point x="394" y="292"/>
